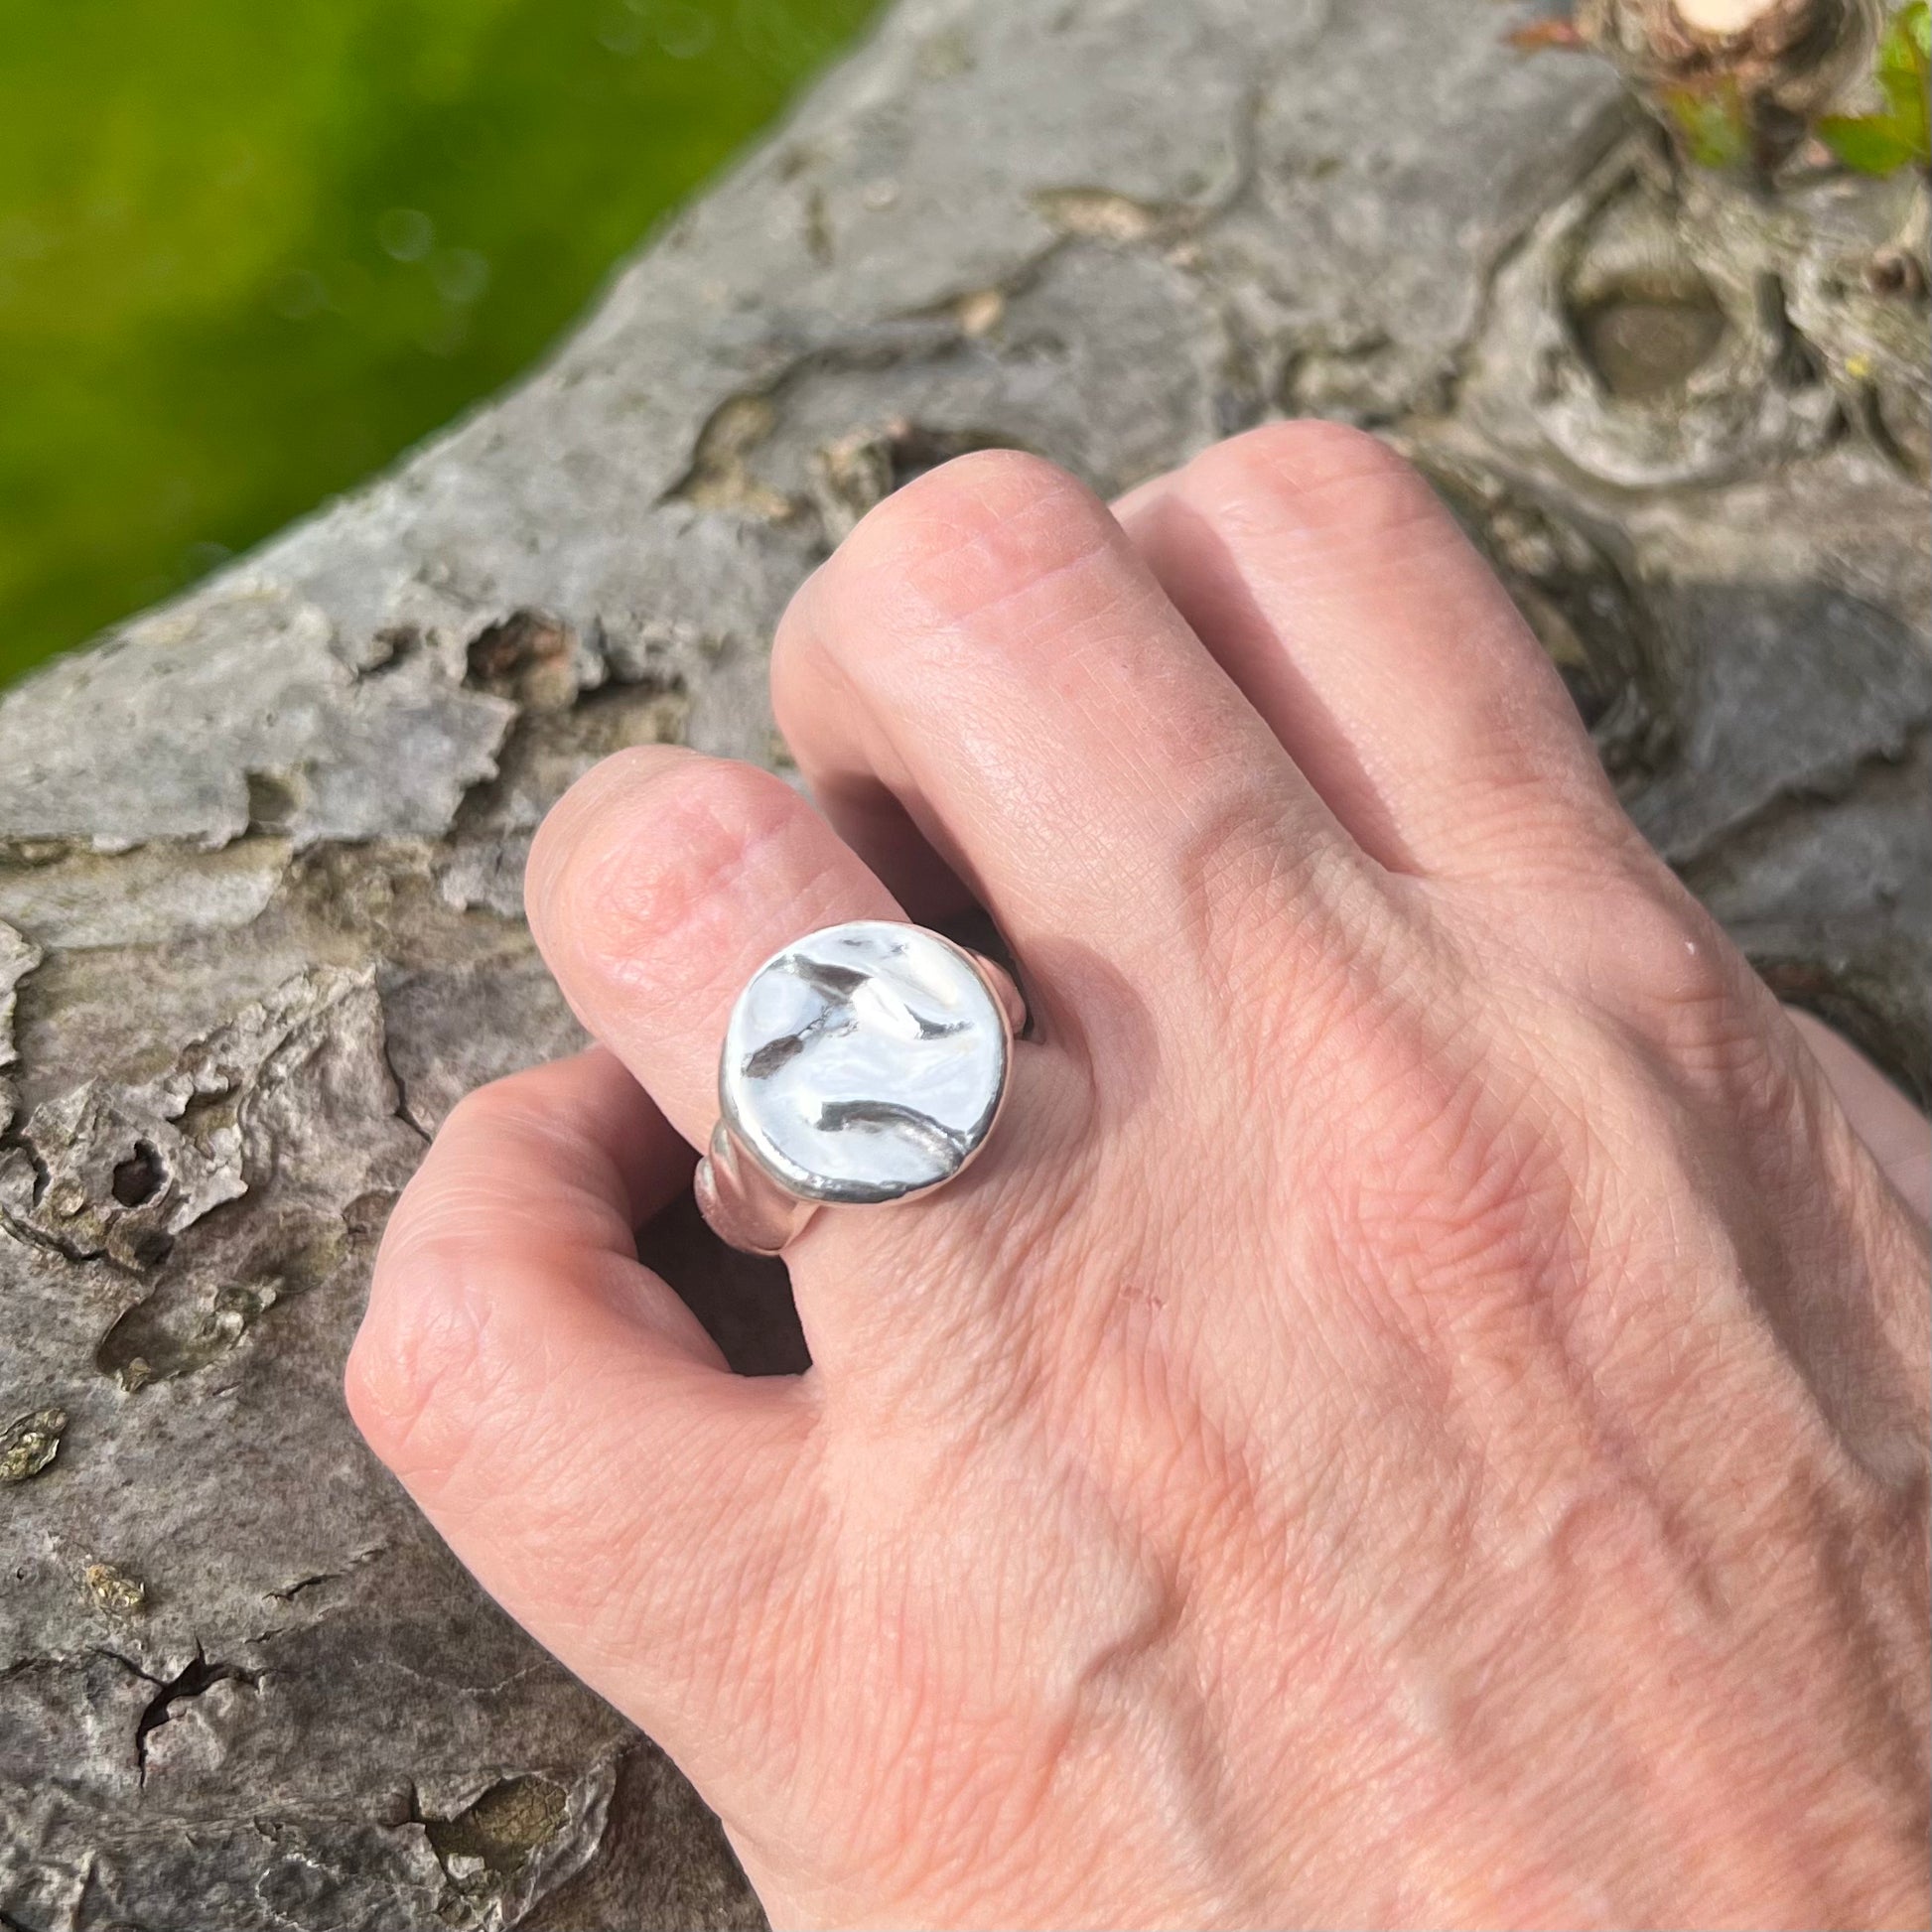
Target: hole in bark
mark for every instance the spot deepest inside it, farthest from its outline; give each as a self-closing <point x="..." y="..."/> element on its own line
<point x="496" y="1836"/>
<point x="915" y="450"/>
<point x="1643" y="344"/>
<point x="1643" y="313"/>
<point x="186" y="1326"/>
<point x="271" y="803"/>
<point x="151" y="1247"/>
<point x="140" y="1177"/>
<point x="526" y="656"/>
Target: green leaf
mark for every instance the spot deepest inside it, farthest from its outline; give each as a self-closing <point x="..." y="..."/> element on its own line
<point x="1916" y="23"/>
<point x="1904" y="95"/>
<point x="1904" y="70"/>
<point x="1901" y="135"/>
<point x="1714" y="124"/>
<point x="1874" y="144"/>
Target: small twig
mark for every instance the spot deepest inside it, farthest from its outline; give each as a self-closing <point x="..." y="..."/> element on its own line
<point x="1541" y="34"/>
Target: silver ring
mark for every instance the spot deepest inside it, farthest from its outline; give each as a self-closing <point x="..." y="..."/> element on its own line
<point x="863" y="1063"/>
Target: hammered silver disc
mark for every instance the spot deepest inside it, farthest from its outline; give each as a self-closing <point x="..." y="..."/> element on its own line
<point x="864" y="1062"/>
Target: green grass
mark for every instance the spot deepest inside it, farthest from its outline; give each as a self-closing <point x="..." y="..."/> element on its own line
<point x="251" y="251"/>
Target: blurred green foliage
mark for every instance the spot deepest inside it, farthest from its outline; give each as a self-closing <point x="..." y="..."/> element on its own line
<point x="1713" y="119"/>
<point x="1900" y="134"/>
<point x="250" y="253"/>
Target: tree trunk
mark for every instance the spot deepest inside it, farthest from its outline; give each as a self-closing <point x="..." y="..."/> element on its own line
<point x="261" y="850"/>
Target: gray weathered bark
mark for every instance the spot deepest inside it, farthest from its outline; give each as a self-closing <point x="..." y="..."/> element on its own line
<point x="259" y="851"/>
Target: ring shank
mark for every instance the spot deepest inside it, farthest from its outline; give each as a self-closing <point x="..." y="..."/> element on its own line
<point x="744" y="1207"/>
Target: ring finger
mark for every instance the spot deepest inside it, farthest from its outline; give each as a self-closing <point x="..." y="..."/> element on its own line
<point x="656" y="888"/>
<point x="659" y="884"/>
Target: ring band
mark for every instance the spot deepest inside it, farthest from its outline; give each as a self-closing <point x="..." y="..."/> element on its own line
<point x="863" y="1064"/>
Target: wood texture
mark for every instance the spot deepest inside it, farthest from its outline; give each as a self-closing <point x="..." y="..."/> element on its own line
<point x="261" y="850"/>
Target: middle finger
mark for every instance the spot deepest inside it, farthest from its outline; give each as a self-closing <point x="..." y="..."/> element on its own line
<point x="989" y="652"/>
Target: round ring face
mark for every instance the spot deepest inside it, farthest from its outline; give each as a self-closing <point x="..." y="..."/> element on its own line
<point x="864" y="1062"/>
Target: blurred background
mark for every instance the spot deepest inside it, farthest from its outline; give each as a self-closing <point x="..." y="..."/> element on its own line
<point x="250" y="253"/>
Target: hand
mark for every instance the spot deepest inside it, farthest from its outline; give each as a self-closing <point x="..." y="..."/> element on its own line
<point x="1419" y="1417"/>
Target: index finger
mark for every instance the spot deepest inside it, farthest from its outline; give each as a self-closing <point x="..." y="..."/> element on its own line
<point x="554" y="1409"/>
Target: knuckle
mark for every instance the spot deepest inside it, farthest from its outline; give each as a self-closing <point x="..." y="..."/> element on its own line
<point x="1292" y="941"/>
<point x="610" y="791"/>
<point x="647" y="877"/>
<point x="958" y="539"/>
<point x="431" y="1353"/>
<point x="1676" y="1016"/>
<point x="419" y="1370"/>
<point x="1664" y="962"/>
<point x="980" y="493"/>
<point x="1327" y="478"/>
<point x="489" y="1112"/>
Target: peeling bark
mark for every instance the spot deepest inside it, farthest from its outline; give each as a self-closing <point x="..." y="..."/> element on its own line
<point x="260" y="851"/>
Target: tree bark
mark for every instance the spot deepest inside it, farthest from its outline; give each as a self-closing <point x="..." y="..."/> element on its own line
<point x="261" y="850"/>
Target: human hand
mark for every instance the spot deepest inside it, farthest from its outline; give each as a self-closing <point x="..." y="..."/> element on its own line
<point x="1420" y="1414"/>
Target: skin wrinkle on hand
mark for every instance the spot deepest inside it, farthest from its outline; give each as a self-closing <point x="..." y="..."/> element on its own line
<point x="1521" y="1253"/>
